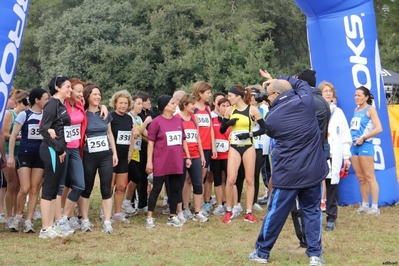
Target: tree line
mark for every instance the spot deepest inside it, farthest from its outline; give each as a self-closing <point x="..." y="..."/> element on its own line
<point x="159" y="46"/>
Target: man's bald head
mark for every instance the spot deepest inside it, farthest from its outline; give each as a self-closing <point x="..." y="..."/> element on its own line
<point x="177" y="95"/>
<point x="277" y="87"/>
<point x="281" y="86"/>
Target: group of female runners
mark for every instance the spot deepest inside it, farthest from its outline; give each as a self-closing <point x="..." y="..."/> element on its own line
<point x="67" y="136"/>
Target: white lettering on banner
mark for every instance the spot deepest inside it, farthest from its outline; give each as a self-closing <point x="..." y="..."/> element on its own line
<point x="10" y="50"/>
<point x="353" y="28"/>
<point x="379" y="160"/>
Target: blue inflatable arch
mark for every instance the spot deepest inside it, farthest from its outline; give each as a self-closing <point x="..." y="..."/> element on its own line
<point x="343" y="46"/>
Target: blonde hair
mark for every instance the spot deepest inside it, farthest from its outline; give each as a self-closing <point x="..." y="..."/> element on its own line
<point x="123" y="94"/>
<point x="200" y="87"/>
<point x="325" y="83"/>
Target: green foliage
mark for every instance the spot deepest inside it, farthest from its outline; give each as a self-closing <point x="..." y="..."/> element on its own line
<point x="159" y="46"/>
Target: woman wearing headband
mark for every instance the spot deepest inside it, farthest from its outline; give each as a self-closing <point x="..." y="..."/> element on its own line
<point x="240" y="117"/>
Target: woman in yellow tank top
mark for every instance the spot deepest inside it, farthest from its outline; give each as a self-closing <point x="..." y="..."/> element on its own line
<point x="241" y="116"/>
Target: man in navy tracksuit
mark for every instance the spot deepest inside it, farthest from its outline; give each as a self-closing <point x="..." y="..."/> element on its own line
<point x="298" y="169"/>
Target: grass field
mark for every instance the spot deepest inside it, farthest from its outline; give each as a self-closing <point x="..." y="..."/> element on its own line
<point x="357" y="240"/>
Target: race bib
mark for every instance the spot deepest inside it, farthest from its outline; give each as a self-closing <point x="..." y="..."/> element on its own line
<point x="33" y="132"/>
<point x="222" y="145"/>
<point x="123" y="137"/>
<point x="191" y="135"/>
<point x="97" y="144"/>
<point x="71" y="133"/>
<point x="237" y="141"/>
<point x="355" y="123"/>
<point x="173" y="138"/>
<point x="203" y="120"/>
<point x="137" y="144"/>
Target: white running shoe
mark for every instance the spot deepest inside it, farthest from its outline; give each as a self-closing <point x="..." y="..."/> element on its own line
<point x="200" y="217"/>
<point x="127" y="206"/>
<point x="107" y="227"/>
<point x="37" y="215"/>
<point x="28" y="227"/>
<point x="187" y="214"/>
<point x="165" y="201"/>
<point x="49" y="233"/>
<point x="74" y="223"/>
<point x="14" y="226"/>
<point x="362" y="209"/>
<point x="3" y="219"/>
<point x="166" y="211"/>
<point x="119" y="217"/>
<point x="64" y="226"/>
<point x="181" y="218"/>
<point x="213" y="200"/>
<point x="174" y="221"/>
<point x="149" y="222"/>
<point x="236" y="212"/>
<point x="86" y="226"/>
<point x="257" y="207"/>
<point x="373" y="211"/>
<point x="219" y="210"/>
<point x="239" y="207"/>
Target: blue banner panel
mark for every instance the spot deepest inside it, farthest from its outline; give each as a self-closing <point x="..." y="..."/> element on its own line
<point x="13" y="14"/>
<point x="343" y="46"/>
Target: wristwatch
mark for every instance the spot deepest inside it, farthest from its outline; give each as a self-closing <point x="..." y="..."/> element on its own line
<point x="188" y="158"/>
<point x="251" y="134"/>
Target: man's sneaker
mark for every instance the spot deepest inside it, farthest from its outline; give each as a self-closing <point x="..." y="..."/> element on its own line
<point x="239" y="207"/>
<point x="74" y="223"/>
<point x="207" y="206"/>
<point x="227" y="217"/>
<point x="86" y="226"/>
<point x="107" y="227"/>
<point x="14" y="226"/>
<point x="174" y="221"/>
<point x="373" y="211"/>
<point x="250" y="218"/>
<point x="199" y="217"/>
<point x="316" y="261"/>
<point x="323" y="206"/>
<point x="254" y="257"/>
<point x="181" y="217"/>
<point x="119" y="217"/>
<point x="49" y="233"/>
<point x="64" y="227"/>
<point x="145" y="209"/>
<point x="219" y="210"/>
<point x="28" y="227"/>
<point x="263" y="200"/>
<point x="236" y="212"/>
<point x="166" y="211"/>
<point x="149" y="222"/>
<point x="187" y="214"/>
<point x="37" y="215"/>
<point x="330" y="226"/>
<point x="9" y="221"/>
<point x="165" y="201"/>
<point x="257" y="207"/>
<point x="127" y="206"/>
<point x="3" y="218"/>
<point x="362" y="209"/>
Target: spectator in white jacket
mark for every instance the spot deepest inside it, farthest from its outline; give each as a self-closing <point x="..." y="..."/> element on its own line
<point x="340" y="141"/>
